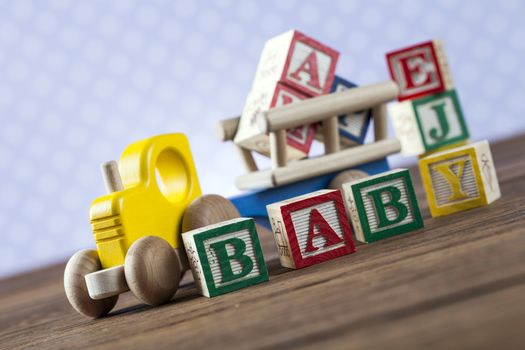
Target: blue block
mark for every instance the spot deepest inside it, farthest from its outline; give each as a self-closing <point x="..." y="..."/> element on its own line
<point x="253" y="204"/>
<point x="352" y="126"/>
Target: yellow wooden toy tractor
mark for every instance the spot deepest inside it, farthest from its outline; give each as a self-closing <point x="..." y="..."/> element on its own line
<point x="137" y="227"/>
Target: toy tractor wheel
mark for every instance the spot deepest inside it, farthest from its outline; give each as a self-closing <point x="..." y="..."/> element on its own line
<point x="346" y="176"/>
<point x="82" y="263"/>
<point x="208" y="210"/>
<point x="152" y="270"/>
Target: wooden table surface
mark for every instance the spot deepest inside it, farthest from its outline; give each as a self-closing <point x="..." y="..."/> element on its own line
<point x="459" y="283"/>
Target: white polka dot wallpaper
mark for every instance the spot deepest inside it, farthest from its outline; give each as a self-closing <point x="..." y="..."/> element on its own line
<point x="80" y="80"/>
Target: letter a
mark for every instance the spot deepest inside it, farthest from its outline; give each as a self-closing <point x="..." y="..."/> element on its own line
<point x="323" y="228"/>
<point x="310" y="67"/>
<point x="454" y="180"/>
<point x="239" y="247"/>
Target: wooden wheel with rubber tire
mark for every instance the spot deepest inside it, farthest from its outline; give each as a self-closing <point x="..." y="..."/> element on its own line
<point x="152" y="270"/>
<point x="208" y="210"/>
<point x="346" y="176"/>
<point x="82" y="263"/>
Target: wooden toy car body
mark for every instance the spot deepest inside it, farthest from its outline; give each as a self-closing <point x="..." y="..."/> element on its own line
<point x="148" y="204"/>
<point x="285" y="180"/>
<point x="137" y="226"/>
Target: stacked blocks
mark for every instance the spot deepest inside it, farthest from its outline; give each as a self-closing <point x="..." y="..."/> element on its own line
<point x="429" y="123"/>
<point x="382" y="206"/>
<point x="292" y="67"/>
<point x="310" y="229"/>
<point x="225" y="257"/>
<point x="352" y="126"/>
<point x="459" y="178"/>
<point x="430" y="116"/>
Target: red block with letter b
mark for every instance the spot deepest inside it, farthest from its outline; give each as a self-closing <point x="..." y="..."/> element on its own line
<point x="420" y="70"/>
<point x="310" y="229"/>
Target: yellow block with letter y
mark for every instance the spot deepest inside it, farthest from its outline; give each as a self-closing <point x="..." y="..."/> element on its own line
<point x="459" y="179"/>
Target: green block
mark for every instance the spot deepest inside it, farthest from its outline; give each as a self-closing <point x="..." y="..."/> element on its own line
<point x="382" y="206"/>
<point x="440" y="120"/>
<point x="225" y="257"/>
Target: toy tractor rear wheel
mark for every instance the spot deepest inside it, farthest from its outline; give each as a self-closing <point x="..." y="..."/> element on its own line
<point x="82" y="263"/>
<point x="208" y="210"/>
<point x="152" y="270"/>
<point x="346" y="176"/>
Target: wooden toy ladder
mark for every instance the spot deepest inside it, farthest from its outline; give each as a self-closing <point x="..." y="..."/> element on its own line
<point x="324" y="109"/>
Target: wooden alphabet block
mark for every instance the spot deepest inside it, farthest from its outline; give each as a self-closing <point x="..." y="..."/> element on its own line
<point x="299" y="140"/>
<point x="459" y="179"/>
<point x="353" y="126"/>
<point x="311" y="228"/>
<point x="298" y="61"/>
<point x="420" y="70"/>
<point x="429" y="123"/>
<point x="382" y="206"/>
<point x="225" y="257"/>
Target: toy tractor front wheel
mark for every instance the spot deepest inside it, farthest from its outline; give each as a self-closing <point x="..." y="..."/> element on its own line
<point x="82" y="263"/>
<point x="152" y="270"/>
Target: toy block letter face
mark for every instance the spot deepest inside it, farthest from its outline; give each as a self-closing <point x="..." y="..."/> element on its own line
<point x="225" y="257"/>
<point x="440" y="120"/>
<point x="454" y="180"/>
<point x="300" y="138"/>
<point x="416" y="70"/>
<point x="384" y="205"/>
<point x="353" y="126"/>
<point x="310" y="229"/>
<point x="310" y="65"/>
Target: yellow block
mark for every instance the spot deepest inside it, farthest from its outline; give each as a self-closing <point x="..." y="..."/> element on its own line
<point x="160" y="181"/>
<point x="459" y="179"/>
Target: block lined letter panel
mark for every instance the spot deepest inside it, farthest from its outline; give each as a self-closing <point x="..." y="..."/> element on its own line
<point x="299" y="61"/>
<point x="383" y="205"/>
<point x="420" y="70"/>
<point x="459" y="179"/>
<point x="311" y="228"/>
<point x="352" y="126"/>
<point x="429" y="123"/>
<point x="225" y="257"/>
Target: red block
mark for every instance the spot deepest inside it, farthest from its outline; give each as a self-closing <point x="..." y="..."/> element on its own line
<point x="299" y="61"/>
<point x="310" y="229"/>
<point x="248" y="134"/>
<point x="420" y="70"/>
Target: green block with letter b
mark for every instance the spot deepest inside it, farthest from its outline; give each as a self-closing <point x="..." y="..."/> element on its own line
<point x="382" y="206"/>
<point x="225" y="257"/>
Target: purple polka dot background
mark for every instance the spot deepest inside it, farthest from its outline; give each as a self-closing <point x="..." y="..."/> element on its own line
<point x="80" y="80"/>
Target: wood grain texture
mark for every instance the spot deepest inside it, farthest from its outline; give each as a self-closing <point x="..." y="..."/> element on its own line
<point x="111" y="176"/>
<point x="458" y="283"/>
<point x="152" y="270"/>
<point x="208" y="210"/>
<point x="331" y="135"/>
<point x="317" y="109"/>
<point x="83" y="263"/>
<point x="106" y="282"/>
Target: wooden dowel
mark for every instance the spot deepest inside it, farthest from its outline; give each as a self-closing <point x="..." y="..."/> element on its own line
<point x="226" y="129"/>
<point x="380" y="115"/>
<point x="247" y="159"/>
<point x="331" y="135"/>
<point x="278" y="148"/>
<point x="111" y="176"/>
<point x="316" y="109"/>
